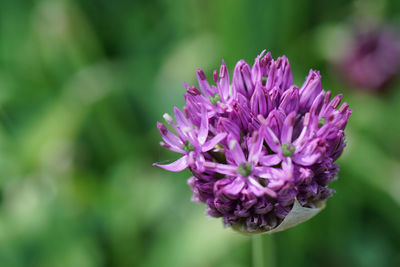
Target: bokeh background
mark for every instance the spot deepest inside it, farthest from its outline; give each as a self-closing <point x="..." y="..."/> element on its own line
<point x="82" y="84"/>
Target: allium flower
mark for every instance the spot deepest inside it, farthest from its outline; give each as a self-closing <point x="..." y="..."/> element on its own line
<point x="260" y="148"/>
<point x="372" y="59"/>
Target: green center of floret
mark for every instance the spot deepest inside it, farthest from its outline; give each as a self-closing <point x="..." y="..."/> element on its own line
<point x="287" y="150"/>
<point x="264" y="80"/>
<point x="321" y="122"/>
<point x="244" y="169"/>
<point x="214" y="99"/>
<point x="187" y="146"/>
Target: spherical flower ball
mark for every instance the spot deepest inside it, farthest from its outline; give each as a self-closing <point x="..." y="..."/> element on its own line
<point x="262" y="151"/>
<point x="371" y="60"/>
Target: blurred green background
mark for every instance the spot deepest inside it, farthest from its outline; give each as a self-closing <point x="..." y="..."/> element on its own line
<point x="82" y="84"/>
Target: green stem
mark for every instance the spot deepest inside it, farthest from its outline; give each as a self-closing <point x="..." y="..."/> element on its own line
<point x="263" y="251"/>
<point x="257" y="250"/>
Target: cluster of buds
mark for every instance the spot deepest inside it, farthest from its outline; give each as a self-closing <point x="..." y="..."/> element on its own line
<point x="258" y="144"/>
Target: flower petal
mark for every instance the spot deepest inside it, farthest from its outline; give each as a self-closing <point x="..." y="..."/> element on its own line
<point x="287" y="129"/>
<point x="310" y="89"/>
<point x="220" y="168"/>
<point x="258" y="190"/>
<point x="210" y="144"/>
<point x="234" y="188"/>
<point x="272" y="140"/>
<point x="255" y="144"/>
<point x="267" y="172"/>
<point x="290" y="100"/>
<point x="237" y="79"/>
<point x="236" y="152"/>
<point x="270" y="160"/>
<point x="180" y="119"/>
<point x="229" y="126"/>
<point x="223" y="85"/>
<point x="175" y="166"/>
<point x="203" y="131"/>
<point x="258" y="101"/>
<point x="173" y="142"/>
<point x="203" y="84"/>
<point x="246" y="73"/>
<point x="275" y="121"/>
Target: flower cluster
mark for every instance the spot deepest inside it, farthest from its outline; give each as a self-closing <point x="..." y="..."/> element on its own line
<point x="372" y="58"/>
<point x="256" y="144"/>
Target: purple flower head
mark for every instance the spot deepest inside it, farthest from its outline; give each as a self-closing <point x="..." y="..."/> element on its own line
<point x="372" y="58"/>
<point x="257" y="146"/>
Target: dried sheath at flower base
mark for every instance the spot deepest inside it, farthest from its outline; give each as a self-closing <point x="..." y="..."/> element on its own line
<point x="261" y="149"/>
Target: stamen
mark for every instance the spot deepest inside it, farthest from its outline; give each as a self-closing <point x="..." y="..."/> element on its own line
<point x="201" y="74"/>
<point x="222" y="71"/>
<point x="215" y="76"/>
<point x="343" y="108"/>
<point x="193" y="90"/>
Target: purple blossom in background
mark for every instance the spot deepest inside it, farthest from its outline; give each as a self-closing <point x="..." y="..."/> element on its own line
<point x="372" y="58"/>
<point x="258" y="142"/>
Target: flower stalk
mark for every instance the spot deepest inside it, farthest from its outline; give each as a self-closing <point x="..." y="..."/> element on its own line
<point x="263" y="251"/>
